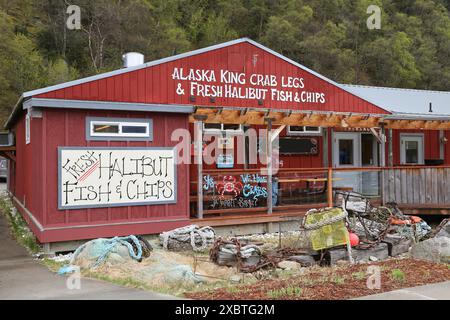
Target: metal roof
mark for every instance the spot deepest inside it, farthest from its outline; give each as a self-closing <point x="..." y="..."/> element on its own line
<point x="405" y="102"/>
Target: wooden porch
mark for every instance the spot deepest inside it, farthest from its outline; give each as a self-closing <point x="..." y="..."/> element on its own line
<point x="416" y="189"/>
<point x="234" y="196"/>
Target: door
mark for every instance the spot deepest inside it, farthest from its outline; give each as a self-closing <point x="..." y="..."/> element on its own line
<point x="347" y="154"/>
<point x="346" y="149"/>
<point x="411" y="149"/>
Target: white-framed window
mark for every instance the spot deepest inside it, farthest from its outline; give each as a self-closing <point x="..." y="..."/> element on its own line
<point x="411" y="149"/>
<point x="304" y="130"/>
<point x="119" y="129"/>
<point x="27" y="128"/>
<point x="222" y="127"/>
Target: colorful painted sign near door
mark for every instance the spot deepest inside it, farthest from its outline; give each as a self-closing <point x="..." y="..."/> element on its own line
<point x="235" y="191"/>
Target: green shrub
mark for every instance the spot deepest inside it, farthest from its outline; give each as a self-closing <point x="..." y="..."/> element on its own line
<point x="398" y="275"/>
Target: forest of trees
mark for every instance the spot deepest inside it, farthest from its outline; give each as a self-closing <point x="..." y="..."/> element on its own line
<point x="412" y="48"/>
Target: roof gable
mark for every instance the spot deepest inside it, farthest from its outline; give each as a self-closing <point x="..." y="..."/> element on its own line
<point x="245" y="74"/>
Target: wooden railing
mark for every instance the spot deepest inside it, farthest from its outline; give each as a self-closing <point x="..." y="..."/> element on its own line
<point x="422" y="187"/>
<point x="245" y="191"/>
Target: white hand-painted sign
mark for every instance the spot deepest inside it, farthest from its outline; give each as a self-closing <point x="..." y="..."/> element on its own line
<point x="240" y="85"/>
<point x="106" y="177"/>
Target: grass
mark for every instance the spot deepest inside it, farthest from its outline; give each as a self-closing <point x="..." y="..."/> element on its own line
<point x="398" y="275"/>
<point x="284" y="292"/>
<point x="124" y="281"/>
<point x="360" y="275"/>
<point x="18" y="226"/>
<point x="52" y="265"/>
<point x="338" y="280"/>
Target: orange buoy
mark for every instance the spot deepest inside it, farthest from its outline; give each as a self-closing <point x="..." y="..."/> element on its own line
<point x="354" y="239"/>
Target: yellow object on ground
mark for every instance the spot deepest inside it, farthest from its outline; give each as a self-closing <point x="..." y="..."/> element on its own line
<point x="325" y="231"/>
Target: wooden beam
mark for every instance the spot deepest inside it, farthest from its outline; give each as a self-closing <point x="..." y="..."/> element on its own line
<point x="432" y="125"/>
<point x="253" y="117"/>
<point x="276" y="132"/>
<point x="293" y="119"/>
<point x="8" y="154"/>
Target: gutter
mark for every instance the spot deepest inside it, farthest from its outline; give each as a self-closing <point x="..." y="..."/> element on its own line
<point x="418" y="117"/>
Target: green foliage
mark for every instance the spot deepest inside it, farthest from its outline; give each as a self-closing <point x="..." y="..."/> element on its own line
<point x="412" y="49"/>
<point x="398" y="275"/>
<point x="360" y="275"/>
<point x="338" y="280"/>
<point x="284" y="293"/>
<point x="19" y="227"/>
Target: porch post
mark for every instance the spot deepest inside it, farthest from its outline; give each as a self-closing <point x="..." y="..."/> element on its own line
<point x="383" y="146"/>
<point x="330" y="187"/>
<point x="269" y="165"/>
<point x="325" y="147"/>
<point x="198" y="136"/>
<point x="390" y="152"/>
<point x="383" y="159"/>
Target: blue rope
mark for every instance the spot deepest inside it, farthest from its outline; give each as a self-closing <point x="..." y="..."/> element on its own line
<point x="122" y="240"/>
<point x="110" y="245"/>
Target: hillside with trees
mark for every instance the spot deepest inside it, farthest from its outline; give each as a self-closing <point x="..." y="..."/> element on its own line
<point x="412" y="48"/>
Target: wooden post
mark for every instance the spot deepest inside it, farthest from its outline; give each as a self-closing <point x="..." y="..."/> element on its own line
<point x="269" y="165"/>
<point x="382" y="146"/>
<point x="383" y="156"/>
<point x="330" y="187"/>
<point x="198" y="136"/>
<point x="325" y="147"/>
<point x="390" y="151"/>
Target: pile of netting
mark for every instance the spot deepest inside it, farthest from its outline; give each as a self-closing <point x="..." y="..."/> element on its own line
<point x="188" y="238"/>
<point x="372" y="224"/>
<point x="115" y="250"/>
<point x="233" y="253"/>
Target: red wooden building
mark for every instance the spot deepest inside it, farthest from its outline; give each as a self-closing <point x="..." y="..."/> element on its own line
<point x="94" y="157"/>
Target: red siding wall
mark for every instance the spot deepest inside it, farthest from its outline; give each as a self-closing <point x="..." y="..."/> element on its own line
<point x="154" y="84"/>
<point x="288" y="161"/>
<point x="431" y="144"/>
<point x="35" y="181"/>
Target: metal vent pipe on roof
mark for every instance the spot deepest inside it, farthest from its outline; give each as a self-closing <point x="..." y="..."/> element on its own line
<point x="131" y="59"/>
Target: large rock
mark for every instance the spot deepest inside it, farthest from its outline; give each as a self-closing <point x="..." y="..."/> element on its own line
<point x="445" y="231"/>
<point x="435" y="250"/>
<point x="304" y="260"/>
<point x="397" y="245"/>
<point x="289" y="265"/>
<point x="380" y="252"/>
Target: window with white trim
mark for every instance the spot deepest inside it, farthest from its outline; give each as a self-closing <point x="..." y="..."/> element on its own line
<point x="222" y="127"/>
<point x="119" y="129"/>
<point x="304" y="130"/>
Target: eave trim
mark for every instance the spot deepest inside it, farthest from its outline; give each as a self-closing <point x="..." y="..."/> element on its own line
<point x="105" y="105"/>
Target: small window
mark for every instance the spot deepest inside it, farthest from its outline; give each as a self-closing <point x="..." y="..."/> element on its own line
<point x="304" y="130"/>
<point x="411" y="149"/>
<point x="119" y="129"/>
<point x="222" y="127"/>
